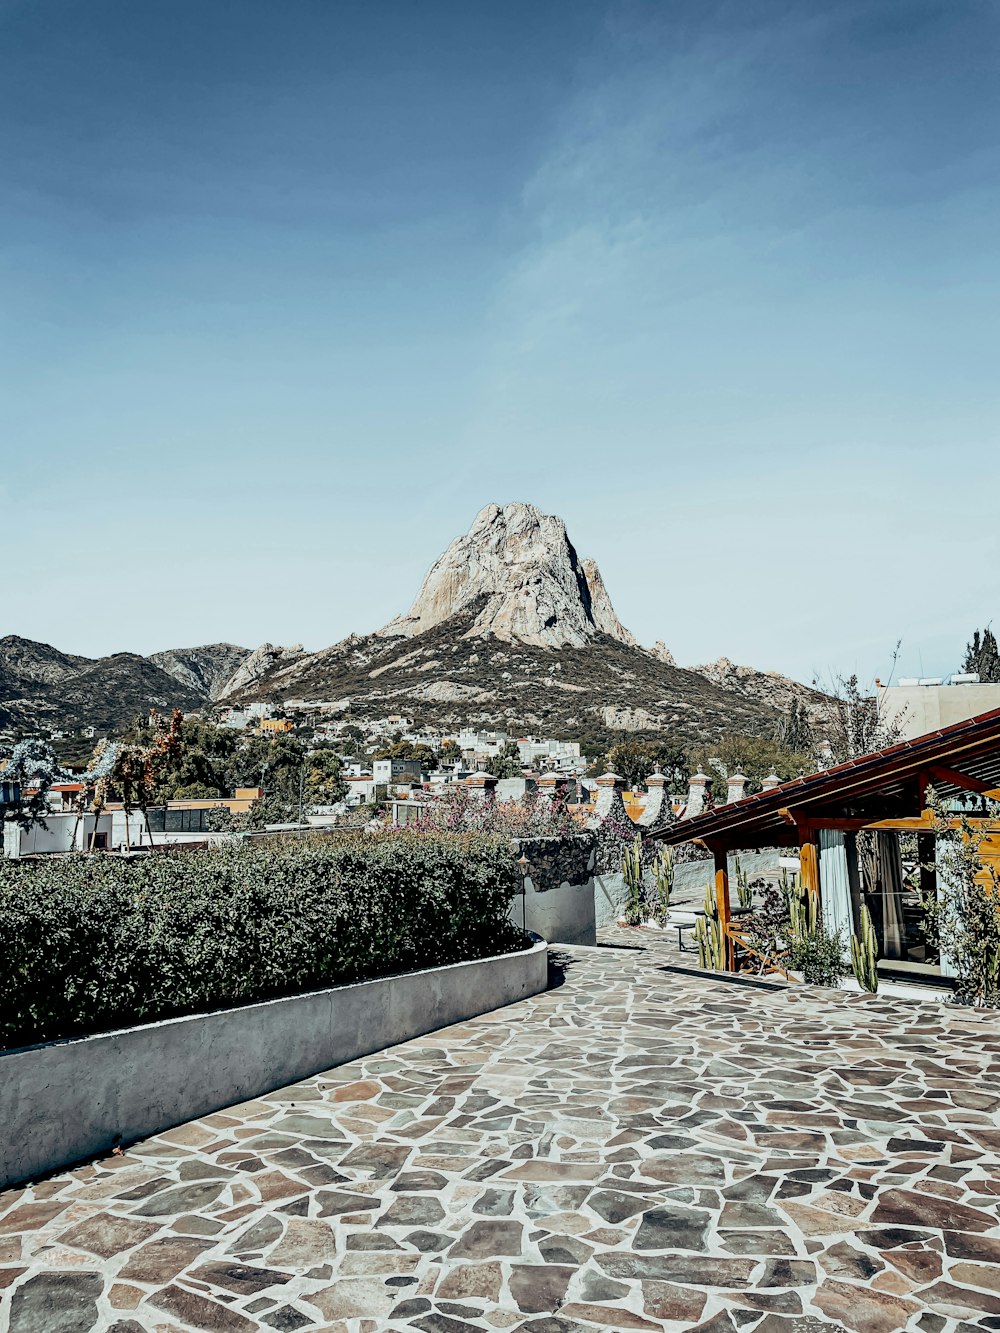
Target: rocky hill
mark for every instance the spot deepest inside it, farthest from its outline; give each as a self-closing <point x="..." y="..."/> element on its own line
<point x="512" y="629"/>
<point x="42" y="689"/>
<point x="769" y="687"/>
<point x="206" y="671"/>
<point x="263" y="661"/>
<point x="452" y="674"/>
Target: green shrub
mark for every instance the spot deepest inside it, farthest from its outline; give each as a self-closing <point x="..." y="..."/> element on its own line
<point x="89" y="943"/>
<point x="819" y="955"/>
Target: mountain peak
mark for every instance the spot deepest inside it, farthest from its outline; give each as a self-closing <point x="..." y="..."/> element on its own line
<point x="520" y="569"/>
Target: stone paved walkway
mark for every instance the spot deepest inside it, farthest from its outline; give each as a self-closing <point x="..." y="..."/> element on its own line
<point x="632" y="1150"/>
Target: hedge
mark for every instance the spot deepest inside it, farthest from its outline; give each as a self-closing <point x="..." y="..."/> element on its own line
<point x="89" y="943"/>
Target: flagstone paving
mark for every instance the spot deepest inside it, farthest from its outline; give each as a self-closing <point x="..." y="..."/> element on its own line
<point x="635" y="1149"/>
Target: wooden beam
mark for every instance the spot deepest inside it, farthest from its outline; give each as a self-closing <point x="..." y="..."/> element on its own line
<point x="952" y="775"/>
<point x="722" y="900"/>
<point x="904" y="822"/>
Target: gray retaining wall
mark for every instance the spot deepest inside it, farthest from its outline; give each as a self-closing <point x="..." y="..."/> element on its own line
<point x="609" y="898"/>
<point x="69" y="1100"/>
<point x="691" y="878"/>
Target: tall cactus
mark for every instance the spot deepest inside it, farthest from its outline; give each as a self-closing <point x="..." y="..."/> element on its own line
<point x="864" y="952"/>
<point x="663" y="883"/>
<point x="635" y="906"/>
<point x="709" y="935"/>
<point x="744" y="892"/>
<point x="803" y="915"/>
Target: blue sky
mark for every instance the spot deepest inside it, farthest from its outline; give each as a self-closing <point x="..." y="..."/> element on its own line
<point x="288" y="292"/>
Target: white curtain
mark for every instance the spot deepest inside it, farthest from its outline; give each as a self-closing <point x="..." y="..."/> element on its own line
<point x="890" y="886"/>
<point x="835" y="882"/>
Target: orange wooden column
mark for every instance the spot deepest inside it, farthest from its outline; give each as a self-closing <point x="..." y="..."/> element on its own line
<point x="722" y="900"/>
<point x="809" y="859"/>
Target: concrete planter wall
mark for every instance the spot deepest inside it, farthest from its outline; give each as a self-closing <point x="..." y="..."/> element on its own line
<point x="609" y="897"/>
<point x="558" y="901"/>
<point x="69" y="1100"/>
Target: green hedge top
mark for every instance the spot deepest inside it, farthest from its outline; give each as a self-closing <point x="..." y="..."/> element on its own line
<point x="89" y="943"/>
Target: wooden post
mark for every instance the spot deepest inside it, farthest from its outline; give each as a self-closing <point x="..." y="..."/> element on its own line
<point x="722" y="900"/>
<point x="809" y="860"/>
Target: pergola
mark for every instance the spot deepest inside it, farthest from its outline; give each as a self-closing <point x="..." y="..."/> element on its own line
<point x="882" y="791"/>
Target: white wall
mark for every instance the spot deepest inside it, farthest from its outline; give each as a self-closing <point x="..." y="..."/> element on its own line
<point x="924" y="708"/>
<point x="56" y="835"/>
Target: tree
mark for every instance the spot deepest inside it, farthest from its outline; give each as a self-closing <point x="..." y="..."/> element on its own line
<point x="201" y="759"/>
<point x="324" y="782"/>
<point x="350" y="740"/>
<point x="30" y="767"/>
<point x="262" y="812"/>
<point x="506" y="763"/>
<point x="636" y="760"/>
<point x="857" y="726"/>
<point x="755" y="756"/>
<point x="276" y="765"/>
<point x="219" y="819"/>
<point x="425" y="757"/>
<point x="139" y="765"/>
<point x="983" y="656"/>
<point x="795" y="733"/>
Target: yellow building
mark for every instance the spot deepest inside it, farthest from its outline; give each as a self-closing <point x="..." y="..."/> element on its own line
<point x="275" y="726"/>
<point x="238" y="804"/>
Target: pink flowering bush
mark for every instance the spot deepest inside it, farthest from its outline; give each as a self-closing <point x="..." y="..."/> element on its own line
<point x="458" y="810"/>
<point x="615" y="836"/>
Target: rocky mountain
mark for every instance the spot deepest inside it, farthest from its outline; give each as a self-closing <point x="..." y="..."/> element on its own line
<point x="452" y="674"/>
<point x="43" y="689"/>
<point x="662" y="653"/>
<point x="518" y="568"/>
<point x="511" y="628"/>
<point x="206" y="671"/>
<point x="262" y="662"/>
<point x="768" y="687"/>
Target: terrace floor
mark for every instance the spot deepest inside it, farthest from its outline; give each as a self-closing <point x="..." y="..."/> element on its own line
<point x="634" y="1149"/>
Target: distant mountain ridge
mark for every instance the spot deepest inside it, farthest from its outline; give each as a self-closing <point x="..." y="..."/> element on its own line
<point x="43" y="689"/>
<point x="510" y="628"/>
<point x="207" y="671"/>
<point x="767" y="686"/>
<point x="449" y="676"/>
